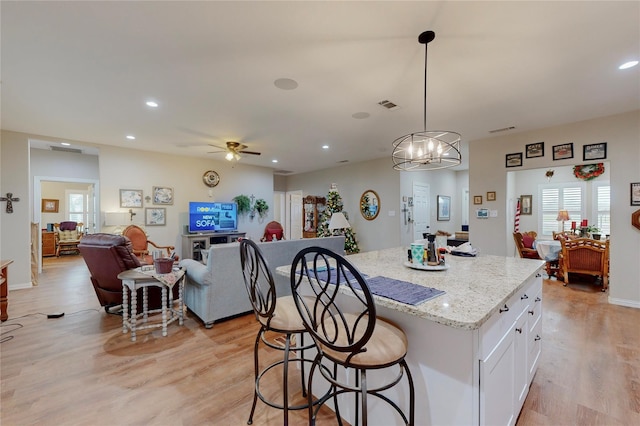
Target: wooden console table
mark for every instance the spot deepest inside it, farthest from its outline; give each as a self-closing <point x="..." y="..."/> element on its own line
<point x="4" y="288"/>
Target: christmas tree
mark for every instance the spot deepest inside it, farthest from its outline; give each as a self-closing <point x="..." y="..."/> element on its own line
<point x="334" y="204"/>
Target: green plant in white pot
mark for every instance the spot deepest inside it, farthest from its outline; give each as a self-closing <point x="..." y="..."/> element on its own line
<point x="244" y="204"/>
<point x="261" y="207"/>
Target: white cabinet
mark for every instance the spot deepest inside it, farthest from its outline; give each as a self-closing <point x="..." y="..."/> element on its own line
<point x="497" y="385"/>
<point x="509" y="353"/>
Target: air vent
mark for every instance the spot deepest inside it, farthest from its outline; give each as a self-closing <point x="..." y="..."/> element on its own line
<point x="504" y="129"/>
<point x="388" y="105"/>
<point x="63" y="149"/>
<point x="282" y="172"/>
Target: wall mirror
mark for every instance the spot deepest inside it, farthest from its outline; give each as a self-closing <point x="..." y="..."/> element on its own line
<point x="369" y="204"/>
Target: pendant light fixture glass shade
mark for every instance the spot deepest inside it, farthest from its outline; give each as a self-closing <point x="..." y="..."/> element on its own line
<point x="428" y="149"/>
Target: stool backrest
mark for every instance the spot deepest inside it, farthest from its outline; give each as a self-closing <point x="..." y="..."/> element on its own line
<point x="258" y="280"/>
<point x="339" y="323"/>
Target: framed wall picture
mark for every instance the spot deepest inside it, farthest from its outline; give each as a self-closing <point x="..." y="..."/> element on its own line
<point x="482" y="213"/>
<point x="491" y="196"/>
<point x="162" y="195"/>
<point x="563" y="151"/>
<point x="535" y="150"/>
<point x="595" y="151"/>
<point x="131" y="198"/>
<point x="444" y="207"/>
<point x="526" y="204"/>
<point x="635" y="194"/>
<point x="50" y="206"/>
<point x="514" y="160"/>
<point x="477" y="199"/>
<point x="155" y="216"/>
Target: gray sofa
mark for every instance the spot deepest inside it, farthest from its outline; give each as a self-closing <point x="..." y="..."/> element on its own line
<point x="216" y="291"/>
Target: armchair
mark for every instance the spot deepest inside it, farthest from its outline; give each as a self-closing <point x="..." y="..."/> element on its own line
<point x="140" y="244"/>
<point x="68" y="235"/>
<point x="585" y="256"/>
<point x="524" y="245"/>
<point x="273" y="228"/>
<point x="106" y="255"/>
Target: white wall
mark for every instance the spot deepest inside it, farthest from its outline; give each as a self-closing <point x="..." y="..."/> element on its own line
<point x="352" y="181"/>
<point x="130" y="169"/>
<point x="528" y="182"/>
<point x="487" y="172"/>
<point x="121" y="169"/>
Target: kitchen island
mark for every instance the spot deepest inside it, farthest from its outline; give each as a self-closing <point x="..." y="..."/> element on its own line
<point x="473" y="351"/>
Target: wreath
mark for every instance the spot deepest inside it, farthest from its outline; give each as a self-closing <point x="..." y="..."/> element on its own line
<point x="588" y="171"/>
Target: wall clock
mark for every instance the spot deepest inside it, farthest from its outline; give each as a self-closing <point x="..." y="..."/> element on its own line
<point x="211" y="178"/>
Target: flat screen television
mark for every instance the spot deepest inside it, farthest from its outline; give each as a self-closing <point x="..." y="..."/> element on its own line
<point x="212" y="217"/>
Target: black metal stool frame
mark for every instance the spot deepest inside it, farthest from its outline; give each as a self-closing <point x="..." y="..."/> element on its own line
<point x="262" y="294"/>
<point x="341" y="336"/>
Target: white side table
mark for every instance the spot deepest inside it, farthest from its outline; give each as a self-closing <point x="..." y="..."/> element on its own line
<point x="145" y="277"/>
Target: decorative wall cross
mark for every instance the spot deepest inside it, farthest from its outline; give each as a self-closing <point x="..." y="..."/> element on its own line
<point x="9" y="199"/>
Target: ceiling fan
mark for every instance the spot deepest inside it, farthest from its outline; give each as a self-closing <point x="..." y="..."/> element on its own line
<point x="233" y="150"/>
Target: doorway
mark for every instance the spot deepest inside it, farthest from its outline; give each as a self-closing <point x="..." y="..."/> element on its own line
<point x="89" y="190"/>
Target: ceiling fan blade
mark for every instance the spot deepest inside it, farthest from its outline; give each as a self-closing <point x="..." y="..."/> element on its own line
<point x="249" y="152"/>
<point x="222" y="148"/>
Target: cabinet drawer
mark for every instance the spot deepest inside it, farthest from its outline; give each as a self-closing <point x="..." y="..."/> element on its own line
<point x="500" y="322"/>
<point x="535" y="348"/>
<point x="534" y="312"/>
<point x="498" y="325"/>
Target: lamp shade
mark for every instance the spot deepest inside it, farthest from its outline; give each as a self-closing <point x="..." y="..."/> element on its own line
<point x="338" y="221"/>
<point x="563" y="215"/>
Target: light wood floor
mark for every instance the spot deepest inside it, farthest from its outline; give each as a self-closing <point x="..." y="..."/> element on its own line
<point x="81" y="370"/>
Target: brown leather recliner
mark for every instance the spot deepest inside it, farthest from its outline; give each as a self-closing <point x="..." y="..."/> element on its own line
<point x="106" y="255"/>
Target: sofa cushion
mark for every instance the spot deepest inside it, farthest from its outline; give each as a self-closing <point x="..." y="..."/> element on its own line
<point x="68" y="235"/>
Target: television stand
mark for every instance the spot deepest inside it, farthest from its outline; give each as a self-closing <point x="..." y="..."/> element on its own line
<point x="194" y="244"/>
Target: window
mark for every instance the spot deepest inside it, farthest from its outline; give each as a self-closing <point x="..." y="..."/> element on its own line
<point x="602" y="207"/>
<point x="553" y="198"/>
<point x="77" y="202"/>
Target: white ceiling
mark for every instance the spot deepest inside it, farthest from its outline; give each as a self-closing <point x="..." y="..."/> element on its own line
<point x="83" y="70"/>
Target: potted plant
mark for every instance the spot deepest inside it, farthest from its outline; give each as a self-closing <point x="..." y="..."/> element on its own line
<point x="594" y="231"/>
<point x="244" y="204"/>
<point x="261" y="207"/>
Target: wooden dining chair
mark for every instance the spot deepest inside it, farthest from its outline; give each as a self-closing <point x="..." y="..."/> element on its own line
<point x="525" y="250"/>
<point x="586" y="256"/>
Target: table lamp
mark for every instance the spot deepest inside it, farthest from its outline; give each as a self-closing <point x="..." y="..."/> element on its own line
<point x="563" y="215"/>
<point x="338" y="221"/>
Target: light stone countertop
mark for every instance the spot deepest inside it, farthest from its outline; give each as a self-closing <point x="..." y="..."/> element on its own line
<point x="475" y="287"/>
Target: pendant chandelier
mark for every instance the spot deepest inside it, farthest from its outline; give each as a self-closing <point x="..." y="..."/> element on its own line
<point x="428" y="149"/>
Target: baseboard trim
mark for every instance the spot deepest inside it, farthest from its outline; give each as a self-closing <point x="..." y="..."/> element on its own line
<point x="20" y="286"/>
<point x="624" y="302"/>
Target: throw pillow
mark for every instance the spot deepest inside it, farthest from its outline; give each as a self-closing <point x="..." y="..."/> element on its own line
<point x="527" y="241"/>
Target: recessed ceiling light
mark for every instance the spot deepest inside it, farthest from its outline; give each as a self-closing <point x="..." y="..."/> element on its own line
<point x="65" y="143"/>
<point x="628" y="65"/>
<point x="325" y="146"/>
<point x="152" y="104"/>
<point x="131" y="137"/>
<point x="274" y="161"/>
<point x="286" y="84"/>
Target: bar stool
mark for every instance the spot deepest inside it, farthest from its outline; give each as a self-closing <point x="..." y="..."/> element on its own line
<point x="275" y="314"/>
<point x="347" y="332"/>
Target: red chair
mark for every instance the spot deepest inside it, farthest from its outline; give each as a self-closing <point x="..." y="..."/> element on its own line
<point x="524" y="244"/>
<point x="273" y="229"/>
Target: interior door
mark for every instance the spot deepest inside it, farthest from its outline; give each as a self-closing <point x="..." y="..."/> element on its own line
<point x="294" y="220"/>
<point x="421" y="210"/>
